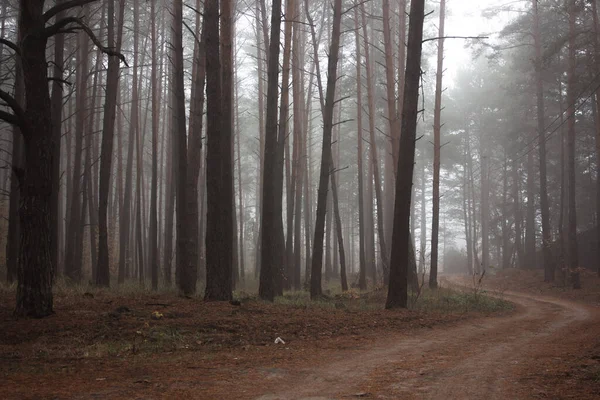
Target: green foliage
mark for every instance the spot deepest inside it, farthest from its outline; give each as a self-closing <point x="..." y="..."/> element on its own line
<point x="454" y="300"/>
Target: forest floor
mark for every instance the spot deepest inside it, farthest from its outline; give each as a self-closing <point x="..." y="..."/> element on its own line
<point x="449" y="345"/>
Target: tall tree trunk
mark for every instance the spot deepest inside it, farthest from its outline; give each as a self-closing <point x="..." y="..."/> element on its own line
<point x="73" y="268"/>
<point x="530" y="256"/>
<point x="397" y="292"/>
<point x="485" y="211"/>
<point x="374" y="159"/>
<point x="437" y="146"/>
<point x="128" y="250"/>
<point x="272" y="230"/>
<point x="283" y="134"/>
<point x="184" y="271"/>
<point x="13" y="242"/>
<point x="153" y="239"/>
<point x="504" y="225"/>
<point x="194" y="151"/>
<point x="238" y="134"/>
<point x="219" y="235"/>
<point x="106" y="152"/>
<point x="261" y="139"/>
<point x="571" y="83"/>
<point x="57" y="106"/>
<point x="299" y="133"/>
<point x="467" y="214"/>
<point x="362" y="271"/>
<point x="517" y="214"/>
<point x="547" y="260"/>
<point x="340" y="235"/>
<point x="326" y="157"/>
<point x="89" y="156"/>
<point x="597" y="104"/>
<point x="392" y="117"/>
<point x="423" y="238"/>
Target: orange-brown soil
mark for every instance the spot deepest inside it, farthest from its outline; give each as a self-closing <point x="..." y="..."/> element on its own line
<point x="109" y="347"/>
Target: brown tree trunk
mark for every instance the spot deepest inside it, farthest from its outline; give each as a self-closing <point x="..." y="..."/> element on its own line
<point x="106" y="152"/>
<point x="194" y="151"/>
<point x="374" y="159"/>
<point x="517" y="214"/>
<point x="530" y="256"/>
<point x="13" y="242"/>
<point x="547" y="260"/>
<point x="219" y="234"/>
<point x="340" y="235"/>
<point x="437" y="146"/>
<point x="89" y="156"/>
<point x="485" y="211"/>
<point x="467" y="214"/>
<point x="597" y="104"/>
<point x="397" y="292"/>
<point x="73" y="269"/>
<point x="392" y="117"/>
<point x="57" y="106"/>
<point x="299" y="147"/>
<point x="271" y="228"/>
<point x="423" y="237"/>
<point x="283" y="134"/>
<point x="261" y="138"/>
<point x="184" y="270"/>
<point x="326" y="164"/>
<point x="571" y="89"/>
<point x="169" y="193"/>
<point x="362" y="269"/>
<point x="153" y="231"/>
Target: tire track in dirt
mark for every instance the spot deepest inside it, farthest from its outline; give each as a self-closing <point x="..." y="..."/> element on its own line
<point x="474" y="360"/>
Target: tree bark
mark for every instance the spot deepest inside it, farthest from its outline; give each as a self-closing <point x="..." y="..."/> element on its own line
<point x="194" y="151"/>
<point x="397" y="291"/>
<point x="596" y="43"/>
<point x="153" y="232"/>
<point x="571" y="83"/>
<point x="547" y="260"/>
<point x="362" y="269"/>
<point x="219" y="235"/>
<point x="184" y="271"/>
<point x="106" y="152"/>
<point x="57" y="106"/>
<point x="271" y="229"/>
<point x="374" y="159"/>
<point x="73" y="268"/>
<point x="317" y="259"/>
<point x="437" y="146"/>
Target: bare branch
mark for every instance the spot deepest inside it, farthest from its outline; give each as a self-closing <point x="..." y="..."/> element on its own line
<point x="64" y="82"/>
<point x="11" y="45"/>
<point x="9" y="118"/>
<point x="61" y="27"/>
<point x="15" y="106"/>
<point x="455" y="37"/>
<point x="64" y="7"/>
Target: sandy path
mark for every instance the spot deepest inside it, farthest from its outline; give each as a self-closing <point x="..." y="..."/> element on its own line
<point x="481" y="359"/>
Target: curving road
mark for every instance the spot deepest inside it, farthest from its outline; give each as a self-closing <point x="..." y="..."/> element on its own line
<point x="481" y="359"/>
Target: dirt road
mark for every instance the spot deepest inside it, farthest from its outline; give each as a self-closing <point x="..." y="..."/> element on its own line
<point x="484" y="359"/>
